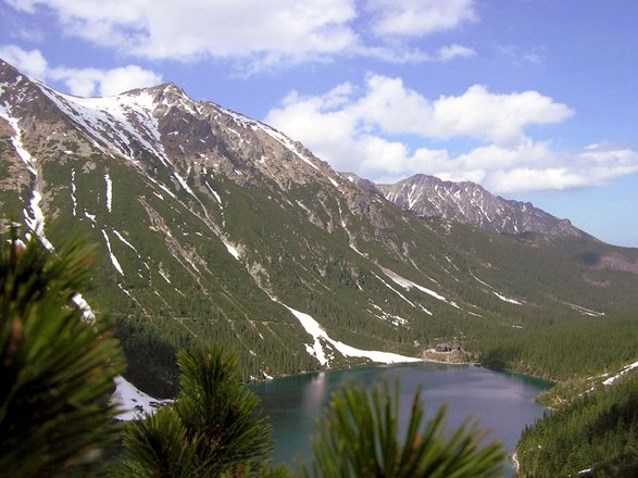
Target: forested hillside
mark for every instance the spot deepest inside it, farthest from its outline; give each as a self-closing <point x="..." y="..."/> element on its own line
<point x="212" y="227"/>
<point x="563" y="352"/>
<point x="596" y="435"/>
<point x="591" y="426"/>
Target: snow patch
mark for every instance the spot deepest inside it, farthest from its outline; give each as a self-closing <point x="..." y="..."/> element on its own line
<point x="506" y="299"/>
<point x="87" y="314"/>
<point x="408" y="284"/>
<point x="166" y="190"/>
<point x="304" y="207"/>
<point x="231" y="250"/>
<point x="114" y="260"/>
<point x="312" y="327"/>
<point x="121" y="238"/>
<point x="413" y="196"/>
<point x="214" y="193"/>
<point x="185" y="185"/>
<point x="16" y="140"/>
<point x="625" y="369"/>
<point x="73" y="191"/>
<point x="109" y="192"/>
<point x="116" y="121"/>
<point x="164" y="275"/>
<point x="425" y="310"/>
<point x="496" y="293"/>
<point x="394" y="290"/>
<point x="395" y="320"/>
<point x="585" y="310"/>
<point x="354" y="248"/>
<point x="133" y="403"/>
<point x="90" y="217"/>
<point x="35" y="220"/>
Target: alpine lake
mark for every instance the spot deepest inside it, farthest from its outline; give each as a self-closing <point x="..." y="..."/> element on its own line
<point x="501" y="403"/>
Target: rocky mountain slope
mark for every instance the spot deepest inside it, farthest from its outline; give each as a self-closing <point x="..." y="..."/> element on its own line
<point x="469" y="203"/>
<point x="210" y="226"/>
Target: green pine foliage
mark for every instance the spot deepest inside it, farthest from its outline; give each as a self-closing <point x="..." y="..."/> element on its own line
<point x="56" y="370"/>
<point x="360" y="436"/>
<point x="158" y="446"/>
<point x="213" y="428"/>
<point x="214" y="401"/>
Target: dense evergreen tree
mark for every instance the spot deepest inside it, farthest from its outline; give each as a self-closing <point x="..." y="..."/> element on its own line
<point x="56" y="370"/>
<point x="213" y="428"/>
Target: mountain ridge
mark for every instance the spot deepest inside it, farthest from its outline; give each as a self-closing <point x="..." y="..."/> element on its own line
<point x="469" y="203"/>
<point x="211" y="226"/>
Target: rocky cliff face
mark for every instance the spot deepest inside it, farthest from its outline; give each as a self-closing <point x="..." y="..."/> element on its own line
<point x="469" y="203"/>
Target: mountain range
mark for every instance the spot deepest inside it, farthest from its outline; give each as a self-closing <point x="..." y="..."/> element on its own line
<point x="211" y="226"/>
<point x="469" y="203"/>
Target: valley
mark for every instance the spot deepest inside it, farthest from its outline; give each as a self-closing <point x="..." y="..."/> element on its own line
<point x="211" y="227"/>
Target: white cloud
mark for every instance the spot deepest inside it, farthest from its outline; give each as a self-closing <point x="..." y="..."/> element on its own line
<point x="31" y="62"/>
<point x="420" y="17"/>
<point x="501" y="118"/>
<point x="80" y="81"/>
<point x="270" y="31"/>
<point x="405" y="55"/>
<point x="366" y="131"/>
<point x="387" y="104"/>
<point x="91" y="81"/>
<point x="450" y="52"/>
<point x="257" y="35"/>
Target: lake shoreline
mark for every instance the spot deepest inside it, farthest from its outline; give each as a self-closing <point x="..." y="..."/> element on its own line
<point x="295" y="403"/>
<point x="423" y="359"/>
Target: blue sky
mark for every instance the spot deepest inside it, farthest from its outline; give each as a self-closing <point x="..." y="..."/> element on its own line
<point x="536" y="100"/>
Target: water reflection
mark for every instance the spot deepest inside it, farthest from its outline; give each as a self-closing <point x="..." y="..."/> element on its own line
<point x="315" y="394"/>
<point x="500" y="402"/>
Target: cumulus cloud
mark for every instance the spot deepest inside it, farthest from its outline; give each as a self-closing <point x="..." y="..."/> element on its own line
<point x="387" y="104"/>
<point x="501" y="118"/>
<point x="256" y="34"/>
<point x="382" y="130"/>
<point x="31" y="62"/>
<point x="80" y="81"/>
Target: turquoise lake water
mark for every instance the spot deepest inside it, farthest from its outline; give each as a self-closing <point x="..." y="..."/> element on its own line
<point x="502" y="403"/>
